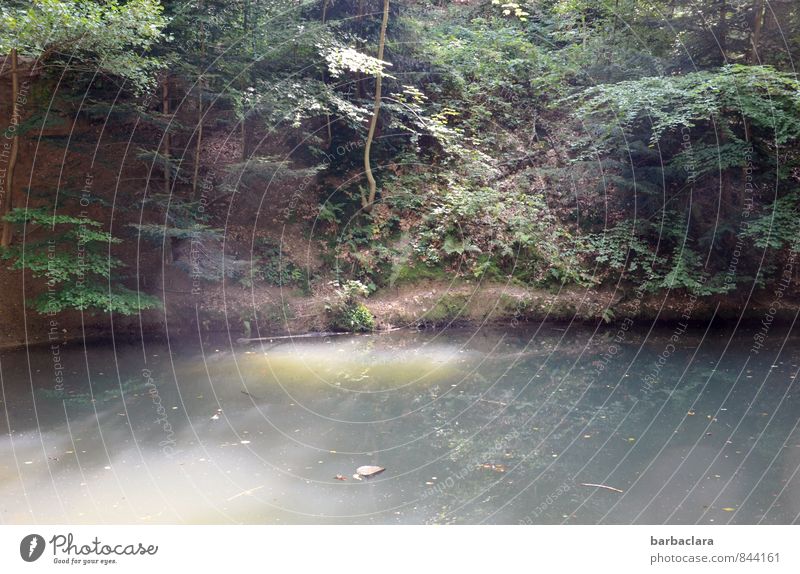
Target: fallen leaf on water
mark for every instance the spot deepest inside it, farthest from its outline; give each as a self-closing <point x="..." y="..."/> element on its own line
<point x="728" y="509"/>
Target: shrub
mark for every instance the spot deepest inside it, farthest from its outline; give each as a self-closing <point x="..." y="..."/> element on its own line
<point x="271" y="266"/>
<point x="346" y="311"/>
<point x="495" y="235"/>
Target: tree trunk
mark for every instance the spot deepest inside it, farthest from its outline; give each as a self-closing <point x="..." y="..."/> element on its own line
<point x="359" y="75"/>
<point x="727" y="201"/>
<point x="614" y="23"/>
<point x="245" y="28"/>
<point x="583" y="29"/>
<point x="366" y="202"/>
<point x="755" y="36"/>
<point x="722" y="30"/>
<point x="609" y="51"/>
<point x="166" y="150"/>
<point x="5" y="241"/>
<point x="199" y="142"/>
<point x="244" y="135"/>
<point x="325" y="79"/>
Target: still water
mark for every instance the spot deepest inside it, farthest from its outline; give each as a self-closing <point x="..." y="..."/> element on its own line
<point x="472" y="426"/>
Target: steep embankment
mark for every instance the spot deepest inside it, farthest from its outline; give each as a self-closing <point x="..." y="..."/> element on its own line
<point x="281" y="212"/>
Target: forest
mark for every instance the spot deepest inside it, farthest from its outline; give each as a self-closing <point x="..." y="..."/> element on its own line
<point x="273" y="166"/>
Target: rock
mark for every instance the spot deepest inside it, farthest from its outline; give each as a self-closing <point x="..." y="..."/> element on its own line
<point x="369" y="471"/>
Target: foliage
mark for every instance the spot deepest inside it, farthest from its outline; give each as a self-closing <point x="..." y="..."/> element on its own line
<point x="511" y="234"/>
<point x="492" y="75"/>
<point x="767" y="98"/>
<point x="679" y="147"/>
<point x="777" y="226"/>
<point x="272" y="267"/>
<point x="184" y="219"/>
<point x="341" y="59"/>
<point x="622" y="249"/>
<point x="626" y="252"/>
<point x="346" y="311"/>
<point x="87" y="36"/>
<point x="547" y="143"/>
<point x="76" y="262"/>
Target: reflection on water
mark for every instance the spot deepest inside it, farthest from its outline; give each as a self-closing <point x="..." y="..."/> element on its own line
<point x="487" y="426"/>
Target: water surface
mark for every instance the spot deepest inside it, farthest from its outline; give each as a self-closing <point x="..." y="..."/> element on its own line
<point x="486" y="426"/>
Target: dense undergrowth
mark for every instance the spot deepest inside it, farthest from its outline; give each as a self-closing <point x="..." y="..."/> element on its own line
<point x="543" y="144"/>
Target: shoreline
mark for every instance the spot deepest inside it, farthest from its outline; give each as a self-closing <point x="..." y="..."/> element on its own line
<point x="238" y="313"/>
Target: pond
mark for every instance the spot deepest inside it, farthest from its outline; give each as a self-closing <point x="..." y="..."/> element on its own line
<point x="677" y="425"/>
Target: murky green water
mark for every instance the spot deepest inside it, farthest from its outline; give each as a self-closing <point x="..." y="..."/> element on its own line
<point x="472" y="427"/>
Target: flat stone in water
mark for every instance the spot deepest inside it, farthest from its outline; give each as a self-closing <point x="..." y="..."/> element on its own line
<point x="369" y="470"/>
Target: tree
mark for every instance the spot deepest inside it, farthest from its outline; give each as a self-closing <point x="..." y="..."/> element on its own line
<point x="12" y="159"/>
<point x="678" y="143"/>
<point x="755" y="36"/>
<point x="368" y="201"/>
<point x="77" y="36"/>
<point x="199" y="128"/>
<point x="75" y="261"/>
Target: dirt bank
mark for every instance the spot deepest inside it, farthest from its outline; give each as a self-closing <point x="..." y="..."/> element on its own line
<point x="190" y="308"/>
